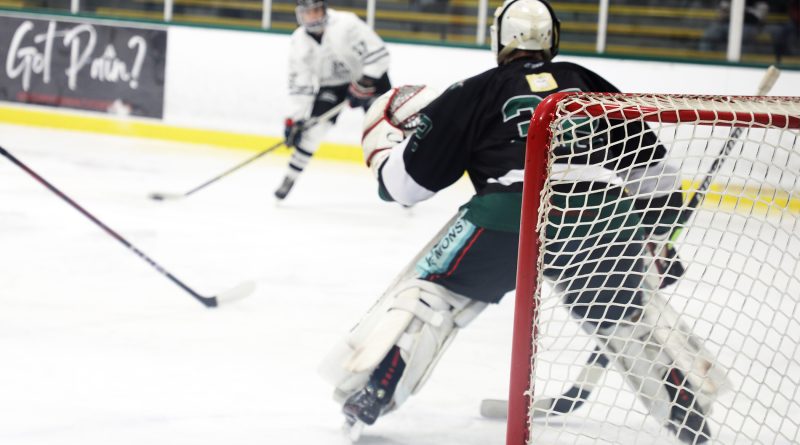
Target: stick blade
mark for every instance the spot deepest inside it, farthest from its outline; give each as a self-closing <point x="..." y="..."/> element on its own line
<point x="165" y="196"/>
<point x="494" y="408"/>
<point x="237" y="293"/>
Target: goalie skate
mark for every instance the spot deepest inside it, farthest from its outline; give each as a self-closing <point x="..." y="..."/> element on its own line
<point x="366" y="405"/>
<point x="686" y="419"/>
<point x="363" y="408"/>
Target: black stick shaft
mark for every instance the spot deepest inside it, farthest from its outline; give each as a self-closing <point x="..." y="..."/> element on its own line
<point x="764" y="86"/>
<point x="206" y="301"/>
<point x="314" y="121"/>
<point x="699" y="194"/>
<point x="234" y="168"/>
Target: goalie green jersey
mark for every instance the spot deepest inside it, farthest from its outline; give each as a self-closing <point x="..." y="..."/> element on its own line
<point x="479" y="126"/>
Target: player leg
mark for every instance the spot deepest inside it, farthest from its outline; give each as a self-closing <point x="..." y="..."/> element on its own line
<point x="327" y="98"/>
<point x="604" y="282"/>
<point x="390" y="353"/>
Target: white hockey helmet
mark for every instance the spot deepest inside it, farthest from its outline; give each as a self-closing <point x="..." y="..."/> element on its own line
<point x="527" y="25"/>
<point x="312" y="15"/>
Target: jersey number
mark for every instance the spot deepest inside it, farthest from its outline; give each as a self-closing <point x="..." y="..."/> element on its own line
<point x="514" y="107"/>
<point x="576" y="130"/>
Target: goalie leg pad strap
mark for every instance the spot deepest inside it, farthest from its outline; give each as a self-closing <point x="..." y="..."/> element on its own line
<point x="419" y="317"/>
<point x="642" y="361"/>
<point x="685" y="349"/>
<point x="678" y="339"/>
<point x="650" y="347"/>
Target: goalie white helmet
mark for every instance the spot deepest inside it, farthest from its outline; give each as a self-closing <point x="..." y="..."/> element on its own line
<point x="527" y="25"/>
<point x="312" y="15"/>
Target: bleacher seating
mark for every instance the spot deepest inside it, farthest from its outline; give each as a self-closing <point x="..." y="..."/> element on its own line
<point x="660" y="29"/>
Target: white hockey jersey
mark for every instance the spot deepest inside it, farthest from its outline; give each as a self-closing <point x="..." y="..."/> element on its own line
<point x="349" y="50"/>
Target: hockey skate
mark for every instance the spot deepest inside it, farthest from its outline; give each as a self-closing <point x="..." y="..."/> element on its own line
<point x="686" y="418"/>
<point x="363" y="408"/>
<point x="285" y="188"/>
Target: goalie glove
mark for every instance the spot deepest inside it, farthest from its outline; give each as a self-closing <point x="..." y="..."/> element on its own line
<point x="392" y="118"/>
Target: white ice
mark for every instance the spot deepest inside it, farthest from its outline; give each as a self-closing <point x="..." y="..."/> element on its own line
<point x="96" y="347"/>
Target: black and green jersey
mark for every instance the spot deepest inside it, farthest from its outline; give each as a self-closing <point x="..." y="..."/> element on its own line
<point x="479" y="126"/>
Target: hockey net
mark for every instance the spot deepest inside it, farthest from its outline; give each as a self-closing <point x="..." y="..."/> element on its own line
<point x="722" y="342"/>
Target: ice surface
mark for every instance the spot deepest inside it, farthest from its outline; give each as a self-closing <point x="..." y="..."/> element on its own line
<point x="98" y="348"/>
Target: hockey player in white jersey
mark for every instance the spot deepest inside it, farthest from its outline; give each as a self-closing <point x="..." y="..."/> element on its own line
<point x="333" y="57"/>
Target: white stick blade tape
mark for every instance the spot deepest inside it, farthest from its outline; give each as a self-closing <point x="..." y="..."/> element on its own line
<point x="238" y="292"/>
<point x="494" y="408"/>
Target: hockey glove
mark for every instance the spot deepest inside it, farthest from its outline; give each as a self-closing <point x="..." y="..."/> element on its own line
<point x="668" y="263"/>
<point x="361" y="92"/>
<point x="293" y="132"/>
<point x="661" y="216"/>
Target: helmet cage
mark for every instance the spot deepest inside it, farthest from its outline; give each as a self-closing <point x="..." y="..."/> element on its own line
<point x="313" y="26"/>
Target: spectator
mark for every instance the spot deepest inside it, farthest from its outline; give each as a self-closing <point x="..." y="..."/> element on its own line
<point x="716" y="36"/>
<point x="786" y="35"/>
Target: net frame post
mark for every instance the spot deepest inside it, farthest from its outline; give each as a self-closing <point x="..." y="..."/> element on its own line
<point x="537" y="147"/>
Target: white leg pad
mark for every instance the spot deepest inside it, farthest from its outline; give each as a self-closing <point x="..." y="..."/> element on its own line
<point x="645" y="348"/>
<point x="686" y="349"/>
<point x="642" y="361"/>
<point x="678" y="339"/>
<point x="419" y="317"/>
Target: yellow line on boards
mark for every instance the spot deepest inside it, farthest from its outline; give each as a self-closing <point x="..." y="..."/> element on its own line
<point x="154" y="130"/>
<point x="741" y="200"/>
<point x="766" y="201"/>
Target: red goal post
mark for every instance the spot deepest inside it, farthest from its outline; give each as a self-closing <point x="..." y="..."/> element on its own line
<point x="767" y="113"/>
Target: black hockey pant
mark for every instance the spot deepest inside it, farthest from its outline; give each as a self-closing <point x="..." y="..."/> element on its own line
<point x="592" y="257"/>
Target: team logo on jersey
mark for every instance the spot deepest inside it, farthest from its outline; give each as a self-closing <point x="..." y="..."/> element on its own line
<point x="424" y="125"/>
<point x="340" y="69"/>
<point x="541" y="82"/>
<point x="445" y="253"/>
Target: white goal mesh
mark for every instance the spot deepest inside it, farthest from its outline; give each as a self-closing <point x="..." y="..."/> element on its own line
<point x="713" y="357"/>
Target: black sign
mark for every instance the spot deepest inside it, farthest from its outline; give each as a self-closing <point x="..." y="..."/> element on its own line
<point x="82" y="65"/>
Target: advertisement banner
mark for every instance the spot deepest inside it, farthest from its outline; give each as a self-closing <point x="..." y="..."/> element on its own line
<point x="83" y="65"/>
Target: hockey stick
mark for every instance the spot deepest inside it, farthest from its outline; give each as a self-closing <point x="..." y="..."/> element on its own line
<point x="766" y="84"/>
<point x="236" y="293"/>
<point x="310" y="123"/>
<point x="597" y="362"/>
<point x="568" y="402"/>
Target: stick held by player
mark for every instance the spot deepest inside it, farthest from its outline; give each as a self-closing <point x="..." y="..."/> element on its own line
<point x="334" y="57"/>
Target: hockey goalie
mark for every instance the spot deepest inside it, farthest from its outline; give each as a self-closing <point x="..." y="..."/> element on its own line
<point x="417" y="143"/>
